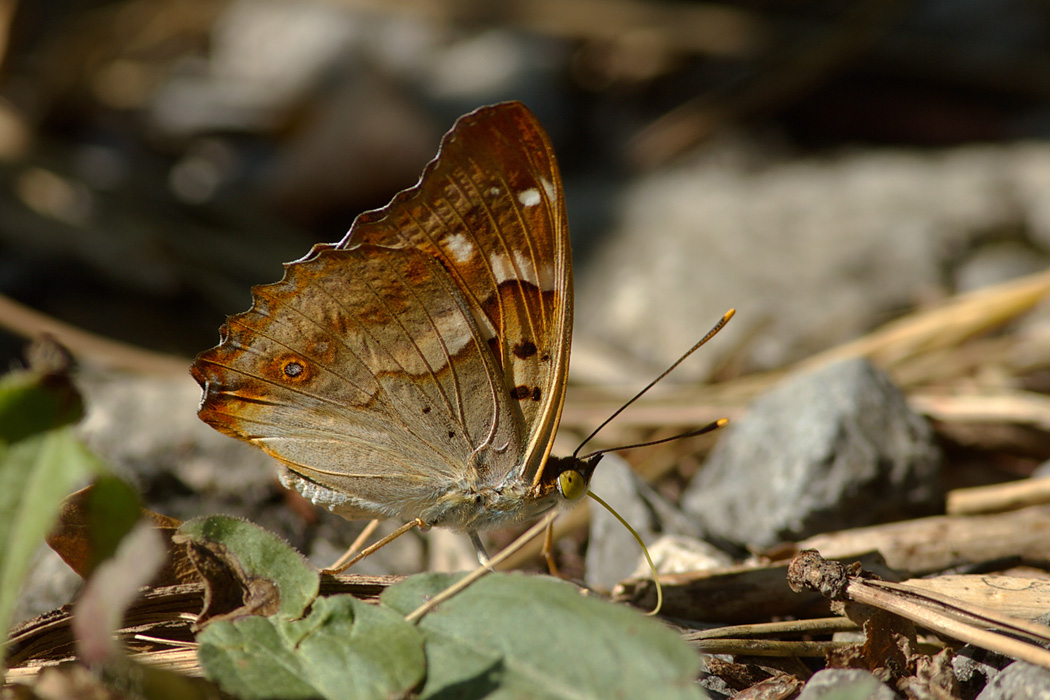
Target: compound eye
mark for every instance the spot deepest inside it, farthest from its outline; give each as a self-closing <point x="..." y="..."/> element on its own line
<point x="571" y="484"/>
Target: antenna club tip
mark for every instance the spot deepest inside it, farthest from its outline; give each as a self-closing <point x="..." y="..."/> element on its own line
<point x="728" y="315"/>
<point x="721" y="422"/>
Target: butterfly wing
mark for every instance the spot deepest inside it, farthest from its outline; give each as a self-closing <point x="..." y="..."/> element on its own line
<point x="425" y="354"/>
<point x="364" y="372"/>
<point x="490" y="207"/>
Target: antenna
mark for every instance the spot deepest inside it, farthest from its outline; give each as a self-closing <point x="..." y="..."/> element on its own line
<point x="710" y="334"/>
<point x="699" y="431"/>
<point x="713" y="425"/>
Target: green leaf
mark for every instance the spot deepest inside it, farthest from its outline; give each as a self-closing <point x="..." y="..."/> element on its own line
<point x="36" y="473"/>
<point x="254" y="556"/>
<point x="518" y="636"/>
<point x="344" y="649"/>
<point x="113" y="509"/>
<point x="33" y="402"/>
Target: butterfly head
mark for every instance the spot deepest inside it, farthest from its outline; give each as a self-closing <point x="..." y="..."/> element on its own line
<point x="569" y="476"/>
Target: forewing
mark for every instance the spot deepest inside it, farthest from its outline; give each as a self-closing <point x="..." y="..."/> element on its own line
<point x="490" y="207"/>
<point x="364" y="371"/>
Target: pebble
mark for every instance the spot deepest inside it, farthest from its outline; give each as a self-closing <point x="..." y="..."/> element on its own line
<point x="835" y="448"/>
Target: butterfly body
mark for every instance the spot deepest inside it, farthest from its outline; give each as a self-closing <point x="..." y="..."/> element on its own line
<point x="416" y="368"/>
<point x="460" y="506"/>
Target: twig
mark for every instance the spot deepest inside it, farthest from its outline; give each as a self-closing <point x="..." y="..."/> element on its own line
<point x="999" y="497"/>
<point x="25" y="322"/>
<point x="942" y="614"/>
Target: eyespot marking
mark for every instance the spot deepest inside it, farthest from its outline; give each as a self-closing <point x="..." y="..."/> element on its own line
<point x="293" y="368"/>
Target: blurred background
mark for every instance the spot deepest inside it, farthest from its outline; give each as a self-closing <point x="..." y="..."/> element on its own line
<point x="819" y="165"/>
<point x="822" y="166"/>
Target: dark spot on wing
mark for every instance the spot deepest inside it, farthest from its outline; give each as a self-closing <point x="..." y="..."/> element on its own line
<point x="523" y="392"/>
<point x="524" y="349"/>
<point x="451" y="434"/>
<point x="426" y="410"/>
<point x="545" y="357"/>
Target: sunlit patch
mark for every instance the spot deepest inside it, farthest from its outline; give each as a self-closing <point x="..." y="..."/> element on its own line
<point x="525" y="268"/>
<point x="502" y="269"/>
<point x="548" y="187"/>
<point x="454" y="332"/>
<point x="522" y="269"/>
<point x="546" y="281"/>
<point x="529" y="197"/>
<point x="460" y="247"/>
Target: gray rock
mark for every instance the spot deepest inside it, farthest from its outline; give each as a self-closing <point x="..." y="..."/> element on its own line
<point x="146" y="427"/>
<point x="677" y="554"/>
<point x="846" y="683"/>
<point x="812" y="252"/>
<point x="49" y="584"/>
<point x="832" y="449"/>
<point x="715" y="687"/>
<point x="612" y="551"/>
<point x="995" y="263"/>
<point x="974" y="667"/>
<point x="1019" y="681"/>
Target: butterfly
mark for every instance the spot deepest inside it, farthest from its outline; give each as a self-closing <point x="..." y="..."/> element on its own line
<point x="416" y="369"/>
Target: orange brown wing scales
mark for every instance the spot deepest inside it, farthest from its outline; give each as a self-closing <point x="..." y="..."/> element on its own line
<point x="365" y="373"/>
<point x="490" y="207"/>
<point x="417" y="368"/>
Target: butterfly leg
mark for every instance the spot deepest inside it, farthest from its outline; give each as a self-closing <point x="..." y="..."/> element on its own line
<point x="343" y="566"/>
<point x="548" y="550"/>
<point x="341" y="563"/>
<point x="477" y="573"/>
<point x="479" y="547"/>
